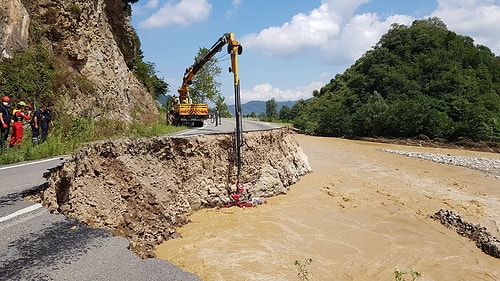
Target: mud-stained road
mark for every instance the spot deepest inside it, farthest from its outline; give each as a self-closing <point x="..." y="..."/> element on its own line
<point x="359" y="215"/>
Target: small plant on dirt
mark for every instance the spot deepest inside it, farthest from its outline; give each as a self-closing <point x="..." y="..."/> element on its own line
<point x="399" y="274"/>
<point x="75" y="9"/>
<point x="302" y="266"/>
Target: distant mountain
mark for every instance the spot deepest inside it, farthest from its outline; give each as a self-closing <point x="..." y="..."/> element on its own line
<point x="162" y="99"/>
<point x="259" y="107"/>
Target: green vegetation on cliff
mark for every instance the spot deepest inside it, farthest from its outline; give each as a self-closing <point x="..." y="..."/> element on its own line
<point x="421" y="80"/>
<point x="46" y="72"/>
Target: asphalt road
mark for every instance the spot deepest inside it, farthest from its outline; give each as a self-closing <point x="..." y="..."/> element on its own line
<point x="37" y="245"/>
<point x="227" y="126"/>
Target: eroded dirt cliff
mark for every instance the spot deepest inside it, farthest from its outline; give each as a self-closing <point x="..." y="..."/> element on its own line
<point x="144" y="188"/>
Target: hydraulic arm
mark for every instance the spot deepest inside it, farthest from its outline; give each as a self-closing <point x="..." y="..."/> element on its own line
<point x="234" y="49"/>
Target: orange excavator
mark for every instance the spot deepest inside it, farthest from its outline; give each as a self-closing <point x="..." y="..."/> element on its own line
<point x="184" y="112"/>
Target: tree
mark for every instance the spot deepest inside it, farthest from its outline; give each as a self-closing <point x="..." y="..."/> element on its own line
<point x="251" y="115"/>
<point x="30" y="75"/>
<point x="204" y="87"/>
<point x="271" y="109"/>
<point x="222" y="107"/>
<point x="285" y="113"/>
<point x="370" y="117"/>
<point x="146" y="73"/>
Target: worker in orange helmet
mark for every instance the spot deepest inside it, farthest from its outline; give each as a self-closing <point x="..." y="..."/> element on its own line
<point x="17" y="127"/>
<point x="5" y="118"/>
<point x="29" y="109"/>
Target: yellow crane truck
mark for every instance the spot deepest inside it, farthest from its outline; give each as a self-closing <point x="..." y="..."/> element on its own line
<point x="183" y="111"/>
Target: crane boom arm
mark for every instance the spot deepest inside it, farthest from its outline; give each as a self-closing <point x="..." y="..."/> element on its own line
<point x="181" y="110"/>
<point x="233" y="46"/>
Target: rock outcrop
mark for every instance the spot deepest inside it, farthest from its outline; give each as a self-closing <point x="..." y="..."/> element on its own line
<point x="14" y="24"/>
<point x="479" y="234"/>
<point x="94" y="42"/>
<point x="143" y="188"/>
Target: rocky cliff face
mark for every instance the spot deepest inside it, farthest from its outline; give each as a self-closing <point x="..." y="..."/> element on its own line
<point x="14" y="23"/>
<point x="143" y="189"/>
<point x="95" y="44"/>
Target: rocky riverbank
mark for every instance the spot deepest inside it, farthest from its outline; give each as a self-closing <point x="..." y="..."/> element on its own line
<point x="477" y="233"/>
<point x="487" y="165"/>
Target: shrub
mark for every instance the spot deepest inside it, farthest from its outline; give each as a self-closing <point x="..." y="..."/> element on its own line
<point x="75" y="9"/>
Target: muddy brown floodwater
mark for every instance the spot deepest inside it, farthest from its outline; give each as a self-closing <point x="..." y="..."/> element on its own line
<point x="359" y="215"/>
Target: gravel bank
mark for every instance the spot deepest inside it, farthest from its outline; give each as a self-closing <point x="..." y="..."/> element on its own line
<point x="486" y="165"/>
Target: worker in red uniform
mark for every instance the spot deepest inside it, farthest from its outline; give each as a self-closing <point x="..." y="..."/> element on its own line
<point x="17" y="127"/>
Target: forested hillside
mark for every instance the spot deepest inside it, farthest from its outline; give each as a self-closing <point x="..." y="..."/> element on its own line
<point x="421" y="80"/>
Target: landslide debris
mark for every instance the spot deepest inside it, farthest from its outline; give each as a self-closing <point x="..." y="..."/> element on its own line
<point x="144" y="188"/>
<point x="484" y="240"/>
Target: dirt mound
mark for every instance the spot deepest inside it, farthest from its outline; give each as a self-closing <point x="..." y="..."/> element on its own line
<point x="477" y="233"/>
<point x="144" y="188"/>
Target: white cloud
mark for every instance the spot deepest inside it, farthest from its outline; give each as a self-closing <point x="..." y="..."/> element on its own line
<point x="234" y="6"/>
<point x="141" y="9"/>
<point x="357" y="36"/>
<point x="479" y="19"/>
<point x="152" y="4"/>
<point x="303" y="31"/>
<point x="183" y="12"/>
<point x="341" y="36"/>
<point x="236" y="3"/>
<point x="331" y="28"/>
<point x="266" y="91"/>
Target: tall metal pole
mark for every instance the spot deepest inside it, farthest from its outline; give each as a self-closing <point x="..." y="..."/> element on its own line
<point x="235" y="49"/>
<point x="239" y="129"/>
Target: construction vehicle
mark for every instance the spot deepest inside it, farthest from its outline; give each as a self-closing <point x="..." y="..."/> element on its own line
<point x="183" y="111"/>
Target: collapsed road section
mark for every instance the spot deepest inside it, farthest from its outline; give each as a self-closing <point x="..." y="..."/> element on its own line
<point x="142" y="189"/>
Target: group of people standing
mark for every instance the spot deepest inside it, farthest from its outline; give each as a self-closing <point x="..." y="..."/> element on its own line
<point x="38" y="119"/>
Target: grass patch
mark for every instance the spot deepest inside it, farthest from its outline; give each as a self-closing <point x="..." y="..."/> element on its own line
<point x="69" y="133"/>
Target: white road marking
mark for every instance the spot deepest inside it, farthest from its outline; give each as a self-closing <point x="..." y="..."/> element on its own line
<point x="190" y="131"/>
<point x="21" y="212"/>
<point x="21" y="220"/>
<point x="29" y="163"/>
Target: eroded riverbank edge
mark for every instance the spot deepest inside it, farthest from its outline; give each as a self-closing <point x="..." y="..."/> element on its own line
<point x="142" y="189"/>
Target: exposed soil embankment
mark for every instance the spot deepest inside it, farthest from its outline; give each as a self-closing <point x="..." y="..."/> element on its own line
<point x="144" y="188"/>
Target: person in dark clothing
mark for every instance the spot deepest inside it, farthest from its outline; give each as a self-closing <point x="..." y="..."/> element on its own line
<point x="5" y="119"/>
<point x="35" y="126"/>
<point x="45" y="121"/>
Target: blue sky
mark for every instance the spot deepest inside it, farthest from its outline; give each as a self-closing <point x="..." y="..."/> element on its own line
<point x="291" y="47"/>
